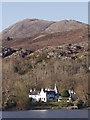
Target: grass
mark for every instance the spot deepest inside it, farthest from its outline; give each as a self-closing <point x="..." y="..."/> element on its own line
<point x="49" y="105"/>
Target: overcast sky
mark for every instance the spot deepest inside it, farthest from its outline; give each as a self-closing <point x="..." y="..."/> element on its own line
<point x="16" y="11"/>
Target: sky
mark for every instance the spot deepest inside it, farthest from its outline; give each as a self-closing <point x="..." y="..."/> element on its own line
<point x="44" y="0"/>
<point x="13" y="12"/>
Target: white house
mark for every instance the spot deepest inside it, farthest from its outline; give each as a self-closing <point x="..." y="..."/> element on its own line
<point x="45" y="95"/>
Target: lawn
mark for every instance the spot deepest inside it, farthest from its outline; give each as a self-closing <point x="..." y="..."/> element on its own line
<point x="48" y="105"/>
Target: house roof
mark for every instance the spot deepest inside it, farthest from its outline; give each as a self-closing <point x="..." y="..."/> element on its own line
<point x="34" y="92"/>
<point x="50" y="92"/>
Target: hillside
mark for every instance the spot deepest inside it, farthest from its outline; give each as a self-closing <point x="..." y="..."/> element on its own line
<point x="66" y="66"/>
<point x="36" y="34"/>
<point x="39" y="58"/>
<point x="30" y="27"/>
<point x="51" y="39"/>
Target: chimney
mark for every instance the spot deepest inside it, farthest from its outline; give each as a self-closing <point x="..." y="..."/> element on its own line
<point x="30" y="90"/>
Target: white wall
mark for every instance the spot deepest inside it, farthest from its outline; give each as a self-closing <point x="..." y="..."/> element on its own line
<point x="43" y="96"/>
<point x="35" y="98"/>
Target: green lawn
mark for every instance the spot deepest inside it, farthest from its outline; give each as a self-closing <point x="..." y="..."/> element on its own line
<point x="49" y="105"/>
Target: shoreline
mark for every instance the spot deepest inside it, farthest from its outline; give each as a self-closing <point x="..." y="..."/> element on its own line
<point x="43" y="109"/>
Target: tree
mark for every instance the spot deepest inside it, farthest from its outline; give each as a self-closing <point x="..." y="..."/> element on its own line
<point x="65" y="93"/>
<point x="21" y="95"/>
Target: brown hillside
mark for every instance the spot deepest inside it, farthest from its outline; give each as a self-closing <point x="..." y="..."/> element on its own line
<point x="42" y="40"/>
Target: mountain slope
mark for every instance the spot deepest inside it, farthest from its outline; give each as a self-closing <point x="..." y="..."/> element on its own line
<point x="29" y="27"/>
<point x="36" y="34"/>
<point x="25" y="28"/>
<point x="51" y="39"/>
<point x="65" y="25"/>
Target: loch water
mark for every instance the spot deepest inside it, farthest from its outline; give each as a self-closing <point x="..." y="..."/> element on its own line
<point x="46" y="114"/>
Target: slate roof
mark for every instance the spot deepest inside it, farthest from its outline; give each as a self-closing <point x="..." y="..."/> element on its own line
<point x="34" y="92"/>
<point x="50" y="92"/>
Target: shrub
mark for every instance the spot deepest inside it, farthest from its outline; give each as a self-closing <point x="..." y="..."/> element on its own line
<point x="79" y="60"/>
<point x="15" y="69"/>
<point x="41" y="58"/>
<point x="64" y="104"/>
<point x="22" y="70"/>
<point x="65" y="93"/>
<point x="80" y="104"/>
<point x="11" y="104"/>
<point x="30" y="100"/>
<point x="9" y="38"/>
<point x="70" y="104"/>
